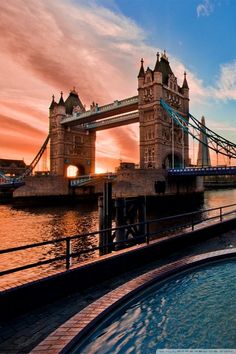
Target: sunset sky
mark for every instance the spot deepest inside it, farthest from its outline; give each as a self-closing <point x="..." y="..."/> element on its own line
<point x="52" y="45"/>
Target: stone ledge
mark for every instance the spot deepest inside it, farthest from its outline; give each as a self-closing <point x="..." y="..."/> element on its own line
<point x="63" y="339"/>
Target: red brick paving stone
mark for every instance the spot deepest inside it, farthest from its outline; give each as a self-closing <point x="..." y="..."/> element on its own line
<point x="84" y="316"/>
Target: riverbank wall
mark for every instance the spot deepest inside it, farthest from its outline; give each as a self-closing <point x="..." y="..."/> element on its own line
<point x="28" y="296"/>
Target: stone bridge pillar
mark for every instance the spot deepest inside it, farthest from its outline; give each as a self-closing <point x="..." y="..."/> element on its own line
<point x="69" y="145"/>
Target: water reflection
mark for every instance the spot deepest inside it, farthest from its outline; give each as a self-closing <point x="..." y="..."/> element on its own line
<point x="26" y="226"/>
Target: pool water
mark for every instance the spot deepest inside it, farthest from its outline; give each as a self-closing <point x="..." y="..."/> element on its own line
<point x="192" y="310"/>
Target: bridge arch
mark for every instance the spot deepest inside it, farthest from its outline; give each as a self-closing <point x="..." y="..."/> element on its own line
<point x="168" y="160"/>
<point x="75" y="170"/>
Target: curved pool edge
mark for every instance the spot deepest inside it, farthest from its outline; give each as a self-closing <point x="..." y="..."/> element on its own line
<point x="64" y="338"/>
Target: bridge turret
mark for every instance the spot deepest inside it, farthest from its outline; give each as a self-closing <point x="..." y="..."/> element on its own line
<point x="61" y="105"/>
<point x="141" y="75"/>
<point x="52" y="105"/>
<point x="157" y="71"/>
<point x="73" y="102"/>
<point x="185" y="92"/>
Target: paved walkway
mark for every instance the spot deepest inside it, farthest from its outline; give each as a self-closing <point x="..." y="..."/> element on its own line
<point x="22" y="334"/>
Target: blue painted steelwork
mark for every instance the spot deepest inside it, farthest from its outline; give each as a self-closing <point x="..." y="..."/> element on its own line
<point x="193" y="127"/>
<point x="202" y="171"/>
<point x="15" y="182"/>
<point x="93" y="178"/>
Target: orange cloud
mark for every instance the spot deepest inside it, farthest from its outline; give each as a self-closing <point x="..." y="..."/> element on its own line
<point x="57" y="45"/>
<point x="49" y="46"/>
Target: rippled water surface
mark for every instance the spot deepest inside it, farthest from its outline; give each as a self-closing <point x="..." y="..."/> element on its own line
<point x="24" y="226"/>
<point x="193" y="310"/>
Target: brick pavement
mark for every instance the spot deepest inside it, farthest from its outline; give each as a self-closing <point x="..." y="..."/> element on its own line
<point x="22" y="334"/>
<point x="80" y="324"/>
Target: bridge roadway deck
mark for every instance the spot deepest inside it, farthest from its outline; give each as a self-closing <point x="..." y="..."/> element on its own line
<point x="203" y="171"/>
<point x="118" y="107"/>
<point x="23" y="333"/>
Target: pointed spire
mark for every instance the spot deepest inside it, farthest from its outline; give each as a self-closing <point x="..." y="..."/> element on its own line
<point x="157" y="62"/>
<point x="52" y="105"/>
<point x="61" y="102"/>
<point x="203" y="158"/>
<point x="141" y="71"/>
<point x="73" y="91"/>
<point x="185" y="83"/>
<point x="164" y="56"/>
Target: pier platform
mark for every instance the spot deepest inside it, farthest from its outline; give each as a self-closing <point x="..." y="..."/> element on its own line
<point x="22" y="333"/>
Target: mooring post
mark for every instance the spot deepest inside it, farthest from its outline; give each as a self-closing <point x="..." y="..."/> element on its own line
<point x="105" y="218"/>
<point x="120" y="220"/>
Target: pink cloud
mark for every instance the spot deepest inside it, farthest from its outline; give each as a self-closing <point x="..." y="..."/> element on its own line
<point x="49" y="46"/>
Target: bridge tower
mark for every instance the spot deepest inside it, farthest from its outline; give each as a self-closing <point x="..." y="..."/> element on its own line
<point x="69" y="145"/>
<point x="162" y="143"/>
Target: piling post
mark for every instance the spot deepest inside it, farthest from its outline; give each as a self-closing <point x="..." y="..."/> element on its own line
<point x="105" y="218"/>
<point x="142" y="217"/>
<point x="120" y="220"/>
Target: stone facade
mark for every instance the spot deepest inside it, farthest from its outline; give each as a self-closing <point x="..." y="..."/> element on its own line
<point x="69" y="145"/>
<point x="153" y="182"/>
<point x="42" y="186"/>
<point x="162" y="143"/>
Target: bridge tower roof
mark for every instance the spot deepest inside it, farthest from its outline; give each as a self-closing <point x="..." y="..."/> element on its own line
<point x="163" y="66"/>
<point x="72" y="101"/>
<point x="53" y="103"/>
<point x="61" y="101"/>
<point x="141" y="71"/>
<point x="185" y="83"/>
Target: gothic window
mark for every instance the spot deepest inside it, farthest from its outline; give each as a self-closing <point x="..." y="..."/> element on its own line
<point x="149" y="155"/>
<point x="146" y="155"/>
<point x="153" y="154"/>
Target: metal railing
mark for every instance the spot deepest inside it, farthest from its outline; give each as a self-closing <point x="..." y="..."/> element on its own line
<point x="144" y="233"/>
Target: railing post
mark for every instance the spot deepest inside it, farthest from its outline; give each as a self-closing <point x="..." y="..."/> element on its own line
<point x="147" y="233"/>
<point x="192" y="223"/>
<point x="68" y="252"/>
<point x="221" y="216"/>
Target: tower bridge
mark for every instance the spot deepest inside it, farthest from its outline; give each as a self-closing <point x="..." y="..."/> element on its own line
<point x="73" y="130"/>
<point x="165" y="128"/>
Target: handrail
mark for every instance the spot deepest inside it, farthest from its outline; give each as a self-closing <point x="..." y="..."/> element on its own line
<point x="144" y="238"/>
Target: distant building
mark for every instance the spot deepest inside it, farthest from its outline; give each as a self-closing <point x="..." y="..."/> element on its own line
<point x="12" y="168"/>
<point x="203" y="159"/>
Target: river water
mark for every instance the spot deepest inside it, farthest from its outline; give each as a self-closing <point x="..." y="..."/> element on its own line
<point x="25" y="226"/>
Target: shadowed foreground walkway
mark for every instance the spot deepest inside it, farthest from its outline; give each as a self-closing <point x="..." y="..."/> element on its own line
<point x="22" y="334"/>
